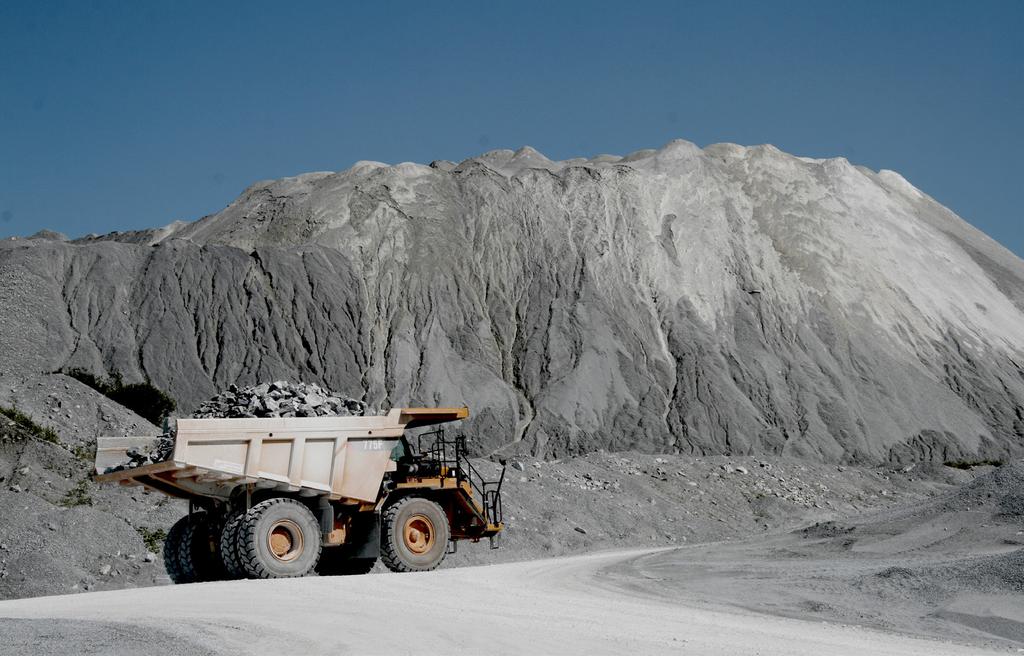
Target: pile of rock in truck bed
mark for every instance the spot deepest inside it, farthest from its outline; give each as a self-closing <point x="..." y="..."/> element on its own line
<point x="277" y="399"/>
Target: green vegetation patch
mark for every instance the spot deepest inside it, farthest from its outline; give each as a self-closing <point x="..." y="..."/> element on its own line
<point x="78" y="495"/>
<point x="143" y="399"/>
<point x="84" y="452"/>
<point x="154" y="538"/>
<point x="27" y="423"/>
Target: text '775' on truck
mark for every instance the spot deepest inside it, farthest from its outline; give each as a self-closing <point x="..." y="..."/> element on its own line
<point x="283" y="497"/>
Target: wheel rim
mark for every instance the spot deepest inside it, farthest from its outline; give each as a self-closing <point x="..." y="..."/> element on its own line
<point x="284" y="539"/>
<point x="419" y="534"/>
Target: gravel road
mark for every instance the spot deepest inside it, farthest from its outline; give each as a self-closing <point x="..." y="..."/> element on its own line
<point x="582" y="605"/>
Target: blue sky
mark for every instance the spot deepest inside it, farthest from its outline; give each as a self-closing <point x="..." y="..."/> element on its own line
<point x="115" y="116"/>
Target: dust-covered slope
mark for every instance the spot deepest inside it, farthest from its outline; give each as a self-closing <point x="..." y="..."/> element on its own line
<point x="725" y="300"/>
<point x="61" y="533"/>
<point x="948" y="566"/>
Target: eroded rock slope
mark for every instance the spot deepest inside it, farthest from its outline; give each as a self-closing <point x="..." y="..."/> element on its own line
<point x="698" y="301"/>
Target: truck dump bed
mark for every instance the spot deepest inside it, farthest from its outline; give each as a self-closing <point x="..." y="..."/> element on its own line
<point x="341" y="458"/>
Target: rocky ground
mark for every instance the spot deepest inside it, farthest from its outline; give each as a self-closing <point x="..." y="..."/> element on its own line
<point x="76" y="412"/>
<point x="618" y="500"/>
<point x="61" y="533"/>
<point x="950" y="566"/>
<point x="923" y="549"/>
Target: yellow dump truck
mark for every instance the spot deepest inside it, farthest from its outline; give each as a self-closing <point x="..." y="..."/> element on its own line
<point x="282" y="497"/>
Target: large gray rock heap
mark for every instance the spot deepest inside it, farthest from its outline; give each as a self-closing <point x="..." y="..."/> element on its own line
<point x="279" y="399"/>
<point x="717" y="300"/>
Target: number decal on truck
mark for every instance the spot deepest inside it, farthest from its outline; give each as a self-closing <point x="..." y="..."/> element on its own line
<point x="373" y="445"/>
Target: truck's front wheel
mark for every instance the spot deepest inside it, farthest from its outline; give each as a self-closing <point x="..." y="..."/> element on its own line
<point x="279" y="538"/>
<point x="415" y="535"/>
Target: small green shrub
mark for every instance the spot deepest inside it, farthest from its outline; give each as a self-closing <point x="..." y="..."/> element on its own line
<point x="143" y="399"/>
<point x="26" y="422"/>
<point x="970" y="464"/>
<point x="84" y="452"/>
<point x="154" y="539"/>
<point x="78" y="495"/>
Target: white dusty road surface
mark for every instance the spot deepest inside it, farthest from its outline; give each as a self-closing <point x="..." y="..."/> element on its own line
<point x="579" y="605"/>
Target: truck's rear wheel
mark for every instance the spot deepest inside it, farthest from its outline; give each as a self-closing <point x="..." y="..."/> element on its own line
<point x="415" y="535"/>
<point x="229" y="543"/>
<point x="172" y="544"/>
<point x="191" y="549"/>
<point x="279" y="538"/>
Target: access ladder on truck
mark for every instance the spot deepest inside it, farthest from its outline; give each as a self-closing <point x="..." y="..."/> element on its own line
<point x="479" y="499"/>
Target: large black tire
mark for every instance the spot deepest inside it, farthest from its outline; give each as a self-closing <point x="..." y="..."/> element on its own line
<point x="172" y="545"/>
<point x="414" y="535"/>
<point x="191" y="549"/>
<point x="279" y="538"/>
<point x="229" y="543"/>
<point x="333" y="562"/>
